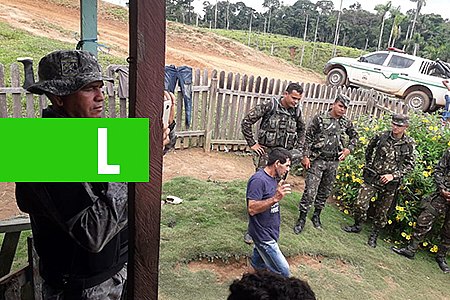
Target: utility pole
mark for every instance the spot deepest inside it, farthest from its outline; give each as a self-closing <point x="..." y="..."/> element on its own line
<point x="215" y="17"/>
<point x="336" y="33"/>
<point x="250" y="28"/>
<point x="228" y="14"/>
<point x="306" y="28"/>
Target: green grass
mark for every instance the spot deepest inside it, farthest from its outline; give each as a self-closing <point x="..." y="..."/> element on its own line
<point x="209" y="224"/>
<point x="21" y="258"/>
<point x="281" y="44"/>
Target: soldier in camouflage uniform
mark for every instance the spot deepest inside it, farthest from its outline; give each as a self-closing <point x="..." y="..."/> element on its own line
<point x="80" y="229"/>
<point x="323" y="149"/>
<point x="389" y="157"/>
<point x="434" y="207"/>
<point x="281" y="125"/>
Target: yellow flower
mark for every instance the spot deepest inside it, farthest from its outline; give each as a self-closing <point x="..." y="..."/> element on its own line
<point x="434" y="138"/>
<point x="408" y="237"/>
<point x="410" y="223"/>
<point x="345" y="211"/>
<point x="425" y="174"/>
<point x="433" y="128"/>
<point x="400" y="208"/>
<point x="339" y="197"/>
<point x="406" y="202"/>
<point x="389" y="222"/>
<point x="337" y="176"/>
<point x="425" y="120"/>
<point x="373" y="199"/>
<point x="434" y="249"/>
<point x="362" y="139"/>
<point x="403" y="234"/>
<point x="414" y="224"/>
<point x="366" y="128"/>
<point x="448" y="144"/>
<point x="425" y="244"/>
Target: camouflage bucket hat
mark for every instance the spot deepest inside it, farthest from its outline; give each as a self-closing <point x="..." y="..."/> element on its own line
<point x="400" y="120"/>
<point x="343" y="99"/>
<point x="65" y="72"/>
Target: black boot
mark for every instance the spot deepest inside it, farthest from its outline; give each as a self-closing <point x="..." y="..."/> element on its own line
<point x="298" y="228"/>
<point x="408" y="251"/>
<point x="440" y="259"/>
<point x="355" y="228"/>
<point x="372" y="242"/>
<point x="316" y="218"/>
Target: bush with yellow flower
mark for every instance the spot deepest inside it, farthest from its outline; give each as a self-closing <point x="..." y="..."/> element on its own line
<point x="431" y="141"/>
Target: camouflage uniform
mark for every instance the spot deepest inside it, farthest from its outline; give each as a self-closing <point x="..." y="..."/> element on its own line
<point x="434" y="207"/>
<point x="391" y="156"/>
<point x="323" y="142"/>
<point x="280" y="127"/>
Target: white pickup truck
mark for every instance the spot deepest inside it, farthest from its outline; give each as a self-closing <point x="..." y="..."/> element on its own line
<point x="415" y="79"/>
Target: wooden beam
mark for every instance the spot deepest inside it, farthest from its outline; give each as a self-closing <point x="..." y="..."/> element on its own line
<point x="147" y="48"/>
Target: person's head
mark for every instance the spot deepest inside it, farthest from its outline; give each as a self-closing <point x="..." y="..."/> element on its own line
<point x="265" y="285"/>
<point x="280" y="160"/>
<point x="72" y="80"/>
<point x="399" y="124"/>
<point x="292" y="95"/>
<point x="339" y="107"/>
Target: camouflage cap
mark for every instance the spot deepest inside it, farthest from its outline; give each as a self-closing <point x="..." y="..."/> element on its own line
<point x="343" y="99"/>
<point x="400" y="120"/>
<point x="64" y="72"/>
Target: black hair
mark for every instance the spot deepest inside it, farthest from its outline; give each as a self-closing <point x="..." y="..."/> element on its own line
<point x="294" y="87"/>
<point x="280" y="154"/>
<point x="265" y="285"/>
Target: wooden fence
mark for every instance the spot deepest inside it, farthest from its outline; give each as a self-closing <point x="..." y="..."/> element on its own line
<point x="219" y="102"/>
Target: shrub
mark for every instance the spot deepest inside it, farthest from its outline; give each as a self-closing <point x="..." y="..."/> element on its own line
<point x="431" y="141"/>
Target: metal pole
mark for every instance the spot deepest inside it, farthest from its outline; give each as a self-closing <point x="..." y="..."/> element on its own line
<point x="88" y="23"/>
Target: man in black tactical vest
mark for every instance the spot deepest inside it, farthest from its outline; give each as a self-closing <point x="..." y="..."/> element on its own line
<point x="322" y="150"/>
<point x="281" y="125"/>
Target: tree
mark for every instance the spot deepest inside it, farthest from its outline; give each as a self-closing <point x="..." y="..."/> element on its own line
<point x="382" y="11"/>
<point x="397" y="17"/>
<point x="420" y="4"/>
<point x="270" y="5"/>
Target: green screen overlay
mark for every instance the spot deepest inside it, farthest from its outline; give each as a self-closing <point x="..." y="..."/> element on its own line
<point x="67" y="150"/>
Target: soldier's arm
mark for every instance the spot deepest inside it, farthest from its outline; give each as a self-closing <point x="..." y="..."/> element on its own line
<point x="370" y="147"/>
<point x="252" y="117"/>
<point x="353" y="136"/>
<point x="441" y="169"/>
<point x="301" y="128"/>
<point x="310" y="133"/>
<point x="407" y="164"/>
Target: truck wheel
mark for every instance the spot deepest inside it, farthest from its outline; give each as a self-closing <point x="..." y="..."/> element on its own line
<point x="418" y="101"/>
<point x="336" y="77"/>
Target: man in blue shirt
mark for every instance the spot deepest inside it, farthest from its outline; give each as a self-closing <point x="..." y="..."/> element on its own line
<point x="264" y="193"/>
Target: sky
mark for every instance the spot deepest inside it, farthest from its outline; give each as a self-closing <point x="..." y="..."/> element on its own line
<point x="440" y="7"/>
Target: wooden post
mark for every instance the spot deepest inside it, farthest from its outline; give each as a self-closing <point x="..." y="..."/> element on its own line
<point x="146" y="60"/>
<point x="211" y="110"/>
<point x="88" y="22"/>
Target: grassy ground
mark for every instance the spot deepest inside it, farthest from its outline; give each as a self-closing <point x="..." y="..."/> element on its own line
<point x="210" y="223"/>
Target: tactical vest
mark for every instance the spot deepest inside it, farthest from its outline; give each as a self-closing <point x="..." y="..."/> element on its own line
<point x="329" y="134"/>
<point x="279" y="127"/>
<point x="400" y="150"/>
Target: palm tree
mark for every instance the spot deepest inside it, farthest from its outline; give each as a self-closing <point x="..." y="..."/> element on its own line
<point x="398" y="18"/>
<point x="382" y="10"/>
<point x="420" y="4"/>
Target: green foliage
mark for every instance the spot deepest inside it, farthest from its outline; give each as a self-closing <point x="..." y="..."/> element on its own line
<point x="314" y="56"/>
<point x="431" y="141"/>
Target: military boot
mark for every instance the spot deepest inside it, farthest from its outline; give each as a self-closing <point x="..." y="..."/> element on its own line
<point x="440" y="259"/>
<point x="316" y="218"/>
<point x="355" y="228"/>
<point x="372" y="242"/>
<point x="298" y="228"/>
<point x="408" y="251"/>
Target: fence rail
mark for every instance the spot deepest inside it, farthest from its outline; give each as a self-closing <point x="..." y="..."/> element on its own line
<point x="219" y="102"/>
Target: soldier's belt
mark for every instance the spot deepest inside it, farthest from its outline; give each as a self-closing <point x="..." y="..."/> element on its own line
<point x="371" y="177"/>
<point x="329" y="156"/>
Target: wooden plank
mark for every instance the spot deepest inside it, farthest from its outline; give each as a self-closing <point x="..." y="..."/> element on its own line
<point x="111" y="93"/>
<point x="42" y="104"/>
<point x="226" y="107"/>
<point x="15" y="225"/>
<point x="271" y="86"/>
<point x="123" y="107"/>
<point x="3" y="106"/>
<point x="179" y="112"/>
<point x="221" y="84"/>
<point x="30" y="105"/>
<point x="277" y="87"/>
<point x="11" y="286"/>
<point x="195" y="101"/>
<point x="244" y="103"/>
<point x="204" y="100"/>
<point x="36" y="279"/>
<point x="233" y="109"/>
<point x="7" y="252"/>
<point x="17" y="97"/>
<point x="211" y="110"/>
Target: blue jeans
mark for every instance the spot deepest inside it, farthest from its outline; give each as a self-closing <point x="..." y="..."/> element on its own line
<point x="184" y="76"/>
<point x="267" y="255"/>
<point x="446" y="113"/>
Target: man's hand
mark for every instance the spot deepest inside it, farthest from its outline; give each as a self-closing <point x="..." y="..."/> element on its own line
<point x="258" y="149"/>
<point x="445" y="194"/>
<point x="282" y="190"/>
<point x="170" y="96"/>
<point x="343" y="154"/>
<point x="386" y="178"/>
<point x="306" y="163"/>
<point x="166" y="132"/>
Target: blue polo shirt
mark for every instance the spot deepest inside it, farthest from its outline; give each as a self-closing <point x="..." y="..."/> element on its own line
<point x="264" y="226"/>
